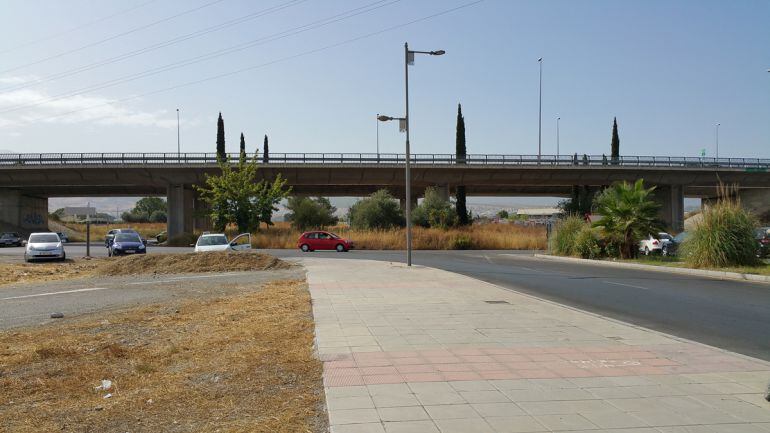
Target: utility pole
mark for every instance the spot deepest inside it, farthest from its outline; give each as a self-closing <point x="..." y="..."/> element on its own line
<point x="540" y="115"/>
<point x="557" y="137"/>
<point x="178" y="141"/>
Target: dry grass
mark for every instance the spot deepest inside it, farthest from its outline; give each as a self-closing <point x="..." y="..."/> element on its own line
<point x="482" y="237"/>
<point x="235" y="364"/>
<point x="98" y="232"/>
<point x="140" y="264"/>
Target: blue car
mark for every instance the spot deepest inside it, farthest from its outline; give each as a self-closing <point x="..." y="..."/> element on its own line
<point x="126" y="243"/>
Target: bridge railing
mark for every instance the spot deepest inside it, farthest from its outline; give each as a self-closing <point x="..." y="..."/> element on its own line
<point x="198" y="159"/>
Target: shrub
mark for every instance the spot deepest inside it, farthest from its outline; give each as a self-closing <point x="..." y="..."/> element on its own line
<point x="158" y="216"/>
<point x="724" y="237"/>
<point x="565" y="232"/>
<point x="434" y="211"/>
<point x="309" y="213"/>
<point x="462" y="242"/>
<point x="378" y="211"/>
<point x="587" y="243"/>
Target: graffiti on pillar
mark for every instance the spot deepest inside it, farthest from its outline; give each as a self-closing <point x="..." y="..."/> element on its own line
<point x="34" y="219"/>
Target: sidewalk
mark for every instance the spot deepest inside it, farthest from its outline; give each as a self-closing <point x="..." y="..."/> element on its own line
<point x="423" y="350"/>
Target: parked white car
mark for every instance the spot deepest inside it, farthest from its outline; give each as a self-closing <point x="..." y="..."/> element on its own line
<point x="44" y="246"/>
<point x="219" y="242"/>
<point x="654" y="244"/>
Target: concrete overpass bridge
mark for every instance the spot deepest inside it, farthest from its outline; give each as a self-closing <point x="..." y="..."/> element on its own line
<point x="28" y="180"/>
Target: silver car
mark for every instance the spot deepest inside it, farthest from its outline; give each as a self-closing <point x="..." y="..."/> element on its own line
<point x="44" y="246"/>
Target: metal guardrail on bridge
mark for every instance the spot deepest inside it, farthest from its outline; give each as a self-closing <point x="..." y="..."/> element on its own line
<point x="198" y="159"/>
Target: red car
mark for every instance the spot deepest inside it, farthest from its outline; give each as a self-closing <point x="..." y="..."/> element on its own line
<point x="319" y="240"/>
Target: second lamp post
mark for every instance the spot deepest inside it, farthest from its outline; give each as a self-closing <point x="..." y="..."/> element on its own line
<point x="408" y="60"/>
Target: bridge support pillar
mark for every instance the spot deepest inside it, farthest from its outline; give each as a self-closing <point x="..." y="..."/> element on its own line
<point x="671" y="199"/>
<point x="22" y="213"/>
<point x="443" y="191"/>
<point x="180" y="210"/>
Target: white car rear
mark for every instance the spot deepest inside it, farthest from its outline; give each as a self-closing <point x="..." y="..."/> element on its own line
<point x="654" y="244"/>
<point x="218" y="242"/>
<point x="44" y="246"/>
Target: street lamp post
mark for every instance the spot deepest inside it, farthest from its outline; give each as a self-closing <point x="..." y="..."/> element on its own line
<point x="540" y="114"/>
<point x="408" y="60"/>
<point x="557" y="138"/>
<point x="717" y="138"/>
<point x="377" y="120"/>
<point x="178" y="141"/>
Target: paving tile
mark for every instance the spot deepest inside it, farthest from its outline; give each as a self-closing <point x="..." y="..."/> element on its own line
<point x="464" y="425"/>
<point x="484" y="396"/>
<point x="473" y="385"/>
<point x="451" y="411"/>
<point x="353" y="416"/>
<point x="497" y="409"/>
<point x="565" y="407"/>
<point x="354" y="402"/>
<point x="565" y="422"/>
<point x="358" y="428"/>
<point x="403" y="413"/>
<point x="411" y="427"/>
<point x="515" y="424"/>
<point x="614" y="419"/>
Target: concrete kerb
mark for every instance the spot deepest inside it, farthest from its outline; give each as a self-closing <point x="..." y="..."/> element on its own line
<point x="719" y="275"/>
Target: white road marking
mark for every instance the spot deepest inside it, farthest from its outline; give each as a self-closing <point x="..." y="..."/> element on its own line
<point x="627" y="285"/>
<point x="55" y="293"/>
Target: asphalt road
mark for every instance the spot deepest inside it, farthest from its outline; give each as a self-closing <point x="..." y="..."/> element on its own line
<point x="728" y="314"/>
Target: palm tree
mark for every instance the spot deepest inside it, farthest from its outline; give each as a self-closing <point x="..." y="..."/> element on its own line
<point x="628" y="215"/>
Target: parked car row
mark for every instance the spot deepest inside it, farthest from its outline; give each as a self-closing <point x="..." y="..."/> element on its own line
<point x="667" y="245"/>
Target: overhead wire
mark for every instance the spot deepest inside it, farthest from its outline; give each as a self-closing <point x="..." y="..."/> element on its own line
<point x="153" y="47"/>
<point x="110" y="38"/>
<point x="259" y="66"/>
<point x="211" y="55"/>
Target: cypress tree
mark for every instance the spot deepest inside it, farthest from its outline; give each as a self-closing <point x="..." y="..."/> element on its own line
<point x="221" y="138"/>
<point x="461" y="207"/>
<point x="243" y="148"/>
<point x="266" y="152"/>
<point x="615" y="146"/>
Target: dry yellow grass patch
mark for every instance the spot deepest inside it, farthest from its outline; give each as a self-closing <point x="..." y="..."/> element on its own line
<point x="236" y="364"/>
<point x="31" y="272"/>
<point x="99" y="231"/>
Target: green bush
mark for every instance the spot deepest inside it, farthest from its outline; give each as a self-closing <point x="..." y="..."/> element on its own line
<point x="587" y="243"/>
<point x="434" y="211"/>
<point x="462" y="242"/>
<point x="378" y="211"/>
<point x="310" y="213"/>
<point x="724" y="237"/>
<point x="565" y="232"/>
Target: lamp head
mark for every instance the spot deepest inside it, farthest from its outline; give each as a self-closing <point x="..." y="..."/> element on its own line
<point x="437" y="53"/>
<point x="383" y="118"/>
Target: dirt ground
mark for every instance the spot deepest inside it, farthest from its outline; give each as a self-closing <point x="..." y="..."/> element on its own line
<point x="241" y="363"/>
<point x="139" y="265"/>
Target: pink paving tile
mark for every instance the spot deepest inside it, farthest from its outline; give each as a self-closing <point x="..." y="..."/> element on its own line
<point x="461" y="375"/>
<point x="642" y="370"/>
<point x="416" y="368"/>
<point x="498" y="375"/>
<point x="339" y="364"/>
<point x="339" y="372"/>
<point x="437" y="352"/>
<point x="477" y="358"/>
<point x="343" y="381"/>
<point x="537" y="374"/>
<point x="407" y="361"/>
<point x="523" y="365"/>
<point x="659" y="362"/>
<point x="335" y="356"/>
<point x="499" y="351"/>
<point x="403" y="354"/>
<point x="469" y="351"/>
<point x="573" y="372"/>
<point x="443" y="359"/>
<point x="369" y="355"/>
<point x="378" y="370"/>
<point x="488" y="366"/>
<point x="422" y="377"/>
<point x="511" y="358"/>
<point x="610" y="372"/>
<point x="382" y="362"/>
<point x="641" y="355"/>
<point x="453" y="367"/>
<point x="545" y="357"/>
<point x="383" y="379"/>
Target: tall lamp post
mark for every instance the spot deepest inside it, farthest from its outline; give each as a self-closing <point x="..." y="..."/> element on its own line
<point x="557" y="138"/>
<point x="717" y="138"/>
<point x="540" y="114"/>
<point x="178" y="141"/>
<point x="378" y="136"/>
<point x="408" y="60"/>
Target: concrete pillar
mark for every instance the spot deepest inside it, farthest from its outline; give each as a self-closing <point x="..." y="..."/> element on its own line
<point x="757" y="201"/>
<point x="22" y="213"/>
<point x="180" y="210"/>
<point x="443" y="191"/>
<point x="201" y="218"/>
<point x="671" y="199"/>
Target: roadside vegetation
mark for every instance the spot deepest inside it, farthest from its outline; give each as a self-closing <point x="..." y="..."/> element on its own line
<point x="231" y="364"/>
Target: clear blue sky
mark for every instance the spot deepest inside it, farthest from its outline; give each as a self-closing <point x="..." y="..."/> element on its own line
<point x="669" y="71"/>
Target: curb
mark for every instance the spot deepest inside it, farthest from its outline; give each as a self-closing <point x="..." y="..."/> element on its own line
<point x="719" y="275"/>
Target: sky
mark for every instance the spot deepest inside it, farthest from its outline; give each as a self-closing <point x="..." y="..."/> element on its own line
<point x="668" y="70"/>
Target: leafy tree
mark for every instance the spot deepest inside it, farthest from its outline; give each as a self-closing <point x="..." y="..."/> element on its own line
<point x="503" y="214"/>
<point x="135" y="217"/>
<point x="580" y="202"/>
<point x="615" y="145"/>
<point x="235" y="196"/>
<point x="461" y="151"/>
<point x="309" y="213"/>
<point x="221" y="155"/>
<point x="158" y="216"/>
<point x="149" y="205"/>
<point x="243" y="148"/>
<point x="434" y="211"/>
<point x="265" y="152"/>
<point x="378" y="211"/>
<point x="628" y="215"/>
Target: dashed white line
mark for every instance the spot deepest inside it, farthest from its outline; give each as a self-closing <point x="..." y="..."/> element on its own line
<point x="92" y="289"/>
